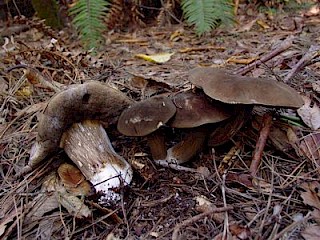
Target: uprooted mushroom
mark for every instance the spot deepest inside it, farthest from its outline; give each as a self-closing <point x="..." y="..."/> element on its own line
<point x="187" y="110"/>
<point x="67" y="122"/>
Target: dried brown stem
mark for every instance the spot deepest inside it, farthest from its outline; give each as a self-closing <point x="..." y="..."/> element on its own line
<point x="261" y="142"/>
<point x="281" y="48"/>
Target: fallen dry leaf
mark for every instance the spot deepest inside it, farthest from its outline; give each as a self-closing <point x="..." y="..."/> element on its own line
<point x="262" y="24"/>
<point x="203" y="204"/>
<point x="74" y="205"/>
<point x="244" y="179"/>
<point x="310" y="114"/>
<point x="68" y="200"/>
<point x="73" y="180"/>
<point x="311" y="232"/>
<point x="311" y="196"/>
<point x="239" y="231"/>
<point x="309" y="146"/>
<point x="156" y="58"/>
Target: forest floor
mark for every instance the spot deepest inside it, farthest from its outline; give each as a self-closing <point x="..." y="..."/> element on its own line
<point x="282" y="201"/>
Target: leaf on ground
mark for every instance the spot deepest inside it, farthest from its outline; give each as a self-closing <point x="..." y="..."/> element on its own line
<point x="246" y="27"/>
<point x="42" y="204"/>
<point x="239" y="231"/>
<point x="242" y="178"/>
<point x="73" y="180"/>
<point x="74" y="205"/>
<point x="238" y="60"/>
<point x="203" y="204"/>
<point x="311" y="195"/>
<point x="309" y="146"/>
<point x="156" y="58"/>
<point x="263" y="24"/>
<point x="311" y="232"/>
<point x="310" y="114"/>
<point x="25" y="91"/>
<point x="316" y="86"/>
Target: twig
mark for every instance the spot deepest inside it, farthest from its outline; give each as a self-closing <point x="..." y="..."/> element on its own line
<point x="261" y="142"/>
<point x="125" y="219"/>
<point x="282" y="47"/>
<point x="313" y="52"/>
<point x="196" y="218"/>
<point x="174" y="166"/>
<point x="226" y="218"/>
<point x="264" y="219"/>
<point x="292" y="226"/>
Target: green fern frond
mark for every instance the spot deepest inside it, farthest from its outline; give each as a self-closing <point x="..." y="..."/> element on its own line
<point x="88" y="19"/>
<point x="207" y="14"/>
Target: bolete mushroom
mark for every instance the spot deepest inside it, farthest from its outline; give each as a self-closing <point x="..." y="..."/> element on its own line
<point x="246" y="91"/>
<point x="228" y="88"/>
<point x="184" y="110"/>
<point x="86" y="142"/>
<point x="91" y="100"/>
<point x="194" y="112"/>
<point x="144" y="118"/>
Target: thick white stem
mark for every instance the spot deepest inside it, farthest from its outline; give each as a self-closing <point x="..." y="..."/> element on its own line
<point x="88" y="146"/>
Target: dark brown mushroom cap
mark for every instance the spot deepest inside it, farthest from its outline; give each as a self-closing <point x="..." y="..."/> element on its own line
<point x="195" y="109"/>
<point x="144" y="117"/>
<point x="228" y="88"/>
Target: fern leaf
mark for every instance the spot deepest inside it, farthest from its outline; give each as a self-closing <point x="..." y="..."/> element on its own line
<point x="88" y="19"/>
<point x="207" y="14"/>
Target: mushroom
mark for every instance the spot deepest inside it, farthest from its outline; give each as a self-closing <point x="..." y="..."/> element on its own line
<point x="91" y="100"/>
<point x="245" y="91"/>
<point x="228" y="88"/>
<point x="194" y="112"/>
<point x="144" y="118"/>
<point x="86" y="142"/>
<point x="88" y="146"/>
<point x="185" y="110"/>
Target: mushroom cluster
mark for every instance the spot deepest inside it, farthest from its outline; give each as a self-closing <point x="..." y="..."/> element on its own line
<point x="186" y="110"/>
<point x="213" y="111"/>
<point x="216" y="113"/>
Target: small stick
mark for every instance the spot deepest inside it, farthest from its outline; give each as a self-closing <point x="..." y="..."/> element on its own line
<point x="177" y="228"/>
<point x="261" y="142"/>
<point x="282" y="47"/>
<point x="313" y="52"/>
<point x="174" y="166"/>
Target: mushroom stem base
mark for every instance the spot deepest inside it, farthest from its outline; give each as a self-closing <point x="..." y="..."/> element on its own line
<point x="89" y="147"/>
<point x="187" y="148"/>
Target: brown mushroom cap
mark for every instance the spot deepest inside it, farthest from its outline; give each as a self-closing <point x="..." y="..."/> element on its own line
<point x="195" y="109"/>
<point x="228" y="88"/>
<point x="144" y="117"/>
